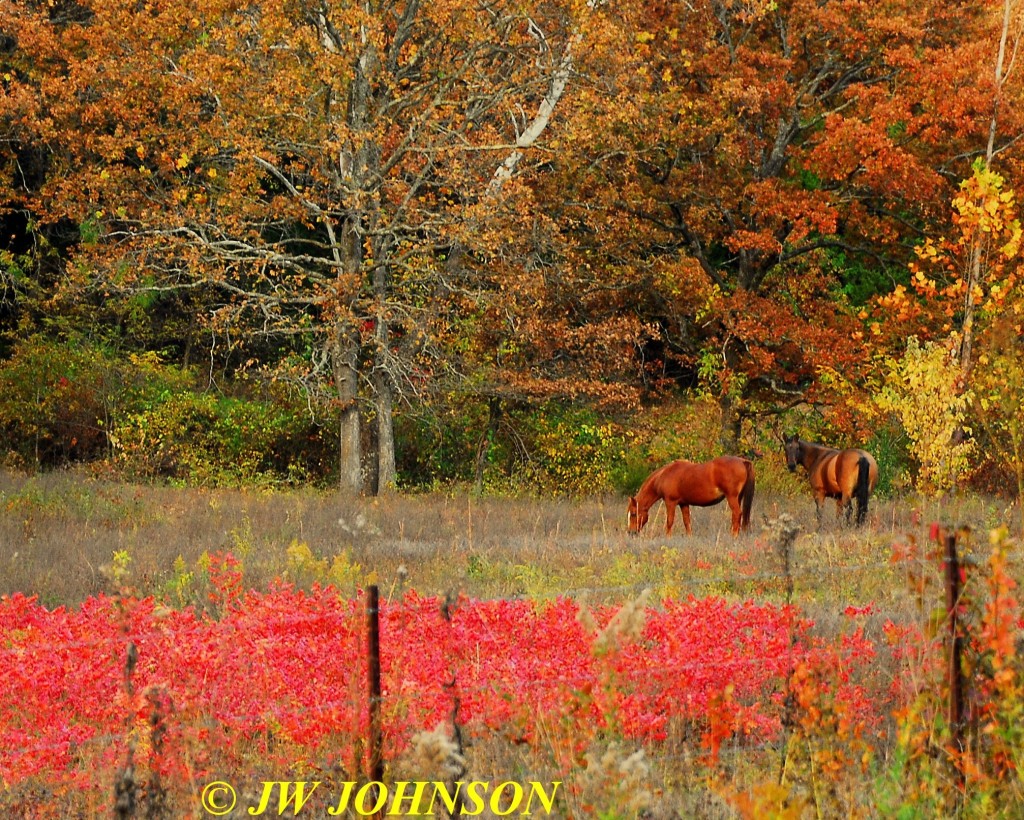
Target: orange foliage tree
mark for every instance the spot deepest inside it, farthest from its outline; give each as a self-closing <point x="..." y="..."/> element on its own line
<point x="513" y="202"/>
<point x="754" y="171"/>
<point x="964" y="281"/>
<point x="326" y="174"/>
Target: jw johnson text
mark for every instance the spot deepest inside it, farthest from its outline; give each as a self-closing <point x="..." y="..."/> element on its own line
<point x="413" y="798"/>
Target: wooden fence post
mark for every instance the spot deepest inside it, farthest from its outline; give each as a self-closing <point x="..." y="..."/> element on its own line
<point x="373" y="674"/>
<point x="956" y="684"/>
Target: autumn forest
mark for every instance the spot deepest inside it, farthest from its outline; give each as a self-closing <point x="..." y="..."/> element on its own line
<point x="309" y="300"/>
<point x="409" y="244"/>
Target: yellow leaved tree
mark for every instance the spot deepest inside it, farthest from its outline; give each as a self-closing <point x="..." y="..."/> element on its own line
<point x="999" y="396"/>
<point x="973" y="277"/>
<point x="922" y="389"/>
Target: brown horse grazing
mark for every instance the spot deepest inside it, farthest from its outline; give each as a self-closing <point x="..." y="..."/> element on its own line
<point x="839" y="474"/>
<point x="702" y="485"/>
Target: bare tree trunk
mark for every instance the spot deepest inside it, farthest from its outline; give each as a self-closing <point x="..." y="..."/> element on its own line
<point x="967" y="328"/>
<point x="354" y="168"/>
<point x="1017" y="443"/>
<point x="387" y="473"/>
<point x="975" y="272"/>
<point x="346" y="378"/>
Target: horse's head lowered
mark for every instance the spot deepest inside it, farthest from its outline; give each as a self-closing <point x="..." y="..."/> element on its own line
<point x="794" y="452"/>
<point x="636" y="519"/>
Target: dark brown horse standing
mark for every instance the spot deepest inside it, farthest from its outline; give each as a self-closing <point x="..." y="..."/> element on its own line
<point x="685" y="483"/>
<point x="840" y="474"/>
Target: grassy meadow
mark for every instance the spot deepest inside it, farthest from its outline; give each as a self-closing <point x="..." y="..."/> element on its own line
<point x="67" y="537"/>
<point x="62" y="533"/>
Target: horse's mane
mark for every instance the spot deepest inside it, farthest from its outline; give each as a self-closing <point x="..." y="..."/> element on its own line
<point x="651" y="479"/>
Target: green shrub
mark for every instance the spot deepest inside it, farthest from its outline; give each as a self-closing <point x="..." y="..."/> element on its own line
<point x="889" y="445"/>
<point x="214" y="440"/>
<point x="688" y="430"/>
<point x="551" y="448"/>
<point x="61" y="399"/>
<point x="575" y="452"/>
<point x="56" y="401"/>
<point x="691" y="431"/>
<point x="630" y="472"/>
<point x="70" y="400"/>
<point x="438" y="448"/>
<point x="773" y="477"/>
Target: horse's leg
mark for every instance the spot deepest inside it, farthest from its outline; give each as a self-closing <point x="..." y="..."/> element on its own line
<point x="819" y="501"/>
<point x="862" y="511"/>
<point x="685" y="510"/>
<point x="842" y="510"/>
<point x="862" y="488"/>
<point x="734" y="505"/>
<point x="670" y="516"/>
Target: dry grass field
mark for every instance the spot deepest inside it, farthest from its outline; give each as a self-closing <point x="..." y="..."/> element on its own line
<point x="66" y="536"/>
<point x="59" y="533"/>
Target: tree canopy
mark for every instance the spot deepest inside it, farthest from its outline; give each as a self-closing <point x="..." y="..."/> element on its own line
<point x="398" y="206"/>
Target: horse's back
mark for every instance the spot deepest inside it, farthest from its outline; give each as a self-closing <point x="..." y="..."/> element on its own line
<point x="721" y="477"/>
<point x="844" y="469"/>
<point x="684" y="482"/>
<point x="735" y="464"/>
<point x="731" y="469"/>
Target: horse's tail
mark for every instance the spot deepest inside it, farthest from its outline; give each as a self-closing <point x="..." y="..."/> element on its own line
<point x="747" y="497"/>
<point x="863" y="488"/>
